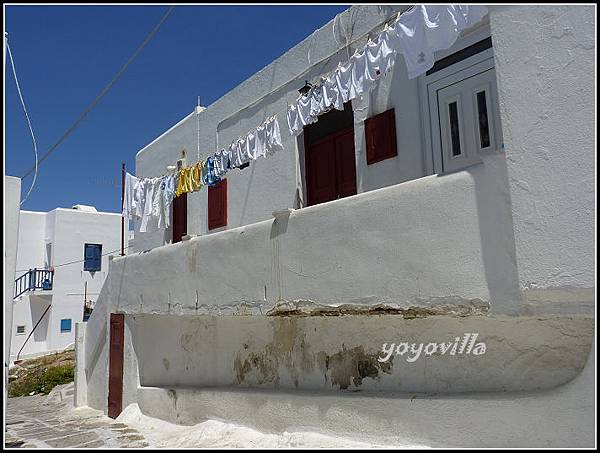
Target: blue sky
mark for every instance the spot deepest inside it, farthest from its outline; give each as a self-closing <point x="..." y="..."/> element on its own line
<point x="65" y="55"/>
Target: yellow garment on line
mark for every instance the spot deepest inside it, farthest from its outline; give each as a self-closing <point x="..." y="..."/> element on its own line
<point x="190" y="179"/>
<point x="195" y="179"/>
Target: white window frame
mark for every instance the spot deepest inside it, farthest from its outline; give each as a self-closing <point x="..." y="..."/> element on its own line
<point x="461" y="138"/>
<point x="486" y="87"/>
<point x="433" y="160"/>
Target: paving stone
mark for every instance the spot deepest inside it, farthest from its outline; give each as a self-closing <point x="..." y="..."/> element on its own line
<point x="40" y="430"/>
<point x="132" y="437"/>
<point x="71" y="441"/>
<point x="95" y="444"/>
<point x="127" y="431"/>
<point x="37" y="422"/>
<point x="118" y="425"/>
<point x="93" y="425"/>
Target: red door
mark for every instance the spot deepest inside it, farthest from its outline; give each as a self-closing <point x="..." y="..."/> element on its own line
<point x="115" y="364"/>
<point x="331" y="167"/>
<point x="179" y="217"/>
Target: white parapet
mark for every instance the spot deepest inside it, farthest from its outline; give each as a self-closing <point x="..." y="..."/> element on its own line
<point x="80" y="395"/>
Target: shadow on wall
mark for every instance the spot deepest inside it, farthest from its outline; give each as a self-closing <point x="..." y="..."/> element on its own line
<point x="496" y="230"/>
<point x="38" y="306"/>
<point x="490" y="178"/>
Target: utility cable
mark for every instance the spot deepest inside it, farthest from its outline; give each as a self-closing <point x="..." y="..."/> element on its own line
<point x="12" y="63"/>
<point x="105" y="90"/>
<point x="74" y="262"/>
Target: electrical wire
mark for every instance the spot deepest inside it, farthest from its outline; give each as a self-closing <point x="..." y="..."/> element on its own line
<point x="74" y="262"/>
<point x="12" y="63"/>
<point x="325" y="60"/>
<point x="105" y="90"/>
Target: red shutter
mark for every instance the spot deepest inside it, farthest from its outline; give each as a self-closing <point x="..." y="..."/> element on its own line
<point x="380" y="134"/>
<point x="346" y="164"/>
<point x="217" y="205"/>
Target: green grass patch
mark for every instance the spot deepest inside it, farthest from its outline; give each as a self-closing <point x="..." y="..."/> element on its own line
<point x="42" y="380"/>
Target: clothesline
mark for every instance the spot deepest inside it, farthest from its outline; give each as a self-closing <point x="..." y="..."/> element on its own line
<point x="416" y="33"/>
<point x="393" y="17"/>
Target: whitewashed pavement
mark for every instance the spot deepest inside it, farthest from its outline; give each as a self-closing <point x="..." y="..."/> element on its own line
<point x="51" y="421"/>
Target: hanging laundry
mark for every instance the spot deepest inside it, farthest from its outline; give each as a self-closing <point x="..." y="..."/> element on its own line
<point x="221" y="163"/>
<point x="167" y="194"/>
<point x="295" y="125"/>
<point x="357" y="75"/>
<point x="196" y="177"/>
<point x="234" y="151"/>
<point x="273" y="136"/>
<point x="130" y="198"/>
<point x="261" y="141"/>
<point x="379" y="58"/>
<point x="317" y="103"/>
<point x="150" y="186"/>
<point x="417" y="34"/>
<point x="429" y="28"/>
<point x="208" y="172"/>
<point x="331" y="94"/>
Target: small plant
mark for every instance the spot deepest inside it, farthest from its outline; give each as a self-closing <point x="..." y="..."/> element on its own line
<point x="43" y="380"/>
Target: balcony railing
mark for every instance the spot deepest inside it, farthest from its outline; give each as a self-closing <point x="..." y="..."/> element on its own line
<point x="34" y="279"/>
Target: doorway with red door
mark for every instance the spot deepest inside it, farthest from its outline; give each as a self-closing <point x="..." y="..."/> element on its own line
<point x="329" y="157"/>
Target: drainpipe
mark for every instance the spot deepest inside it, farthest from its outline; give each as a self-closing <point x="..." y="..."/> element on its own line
<point x="84" y="299"/>
<point x="33" y="330"/>
<point x="122" y="201"/>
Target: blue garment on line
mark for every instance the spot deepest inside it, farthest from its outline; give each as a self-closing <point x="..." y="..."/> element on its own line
<point x="208" y="173"/>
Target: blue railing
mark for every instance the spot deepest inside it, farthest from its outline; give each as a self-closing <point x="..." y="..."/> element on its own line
<point x="34" y="279"/>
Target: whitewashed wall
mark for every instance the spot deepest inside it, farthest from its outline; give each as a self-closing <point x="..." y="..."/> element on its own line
<point x="271" y="184"/>
<point x="434" y="241"/>
<point x="12" y="198"/>
<point x="545" y="65"/>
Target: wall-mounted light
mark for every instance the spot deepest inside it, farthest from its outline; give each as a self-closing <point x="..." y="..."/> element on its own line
<point x="305" y="89"/>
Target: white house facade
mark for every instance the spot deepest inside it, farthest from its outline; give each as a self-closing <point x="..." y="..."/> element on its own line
<point x="458" y="201"/>
<point x="12" y="197"/>
<point x="62" y="262"/>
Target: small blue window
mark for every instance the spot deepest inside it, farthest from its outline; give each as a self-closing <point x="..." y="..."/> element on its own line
<point x="65" y="325"/>
<point x="92" y="255"/>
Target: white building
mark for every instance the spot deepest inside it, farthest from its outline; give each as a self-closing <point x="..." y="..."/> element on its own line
<point x="476" y="215"/>
<point x="12" y="197"/>
<point x="52" y="246"/>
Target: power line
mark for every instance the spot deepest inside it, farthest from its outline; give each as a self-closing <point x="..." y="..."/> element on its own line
<point x="105" y="90"/>
<point x="75" y="262"/>
<point x="28" y="120"/>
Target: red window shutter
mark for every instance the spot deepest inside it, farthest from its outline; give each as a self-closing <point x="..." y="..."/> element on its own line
<point x="380" y="134"/>
<point x="217" y="205"/>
